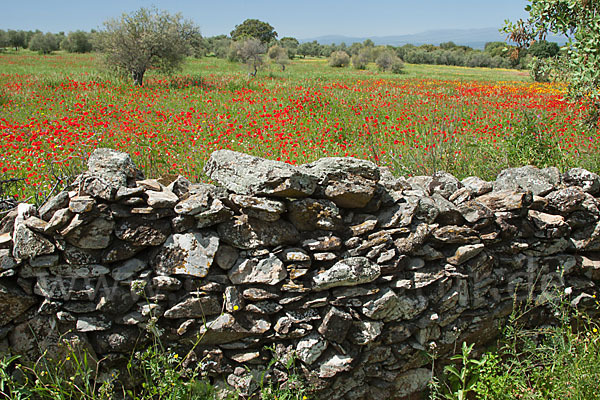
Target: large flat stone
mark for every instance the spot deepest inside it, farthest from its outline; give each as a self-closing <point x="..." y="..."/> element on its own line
<point x="349" y="272"/>
<point x="187" y="254"/>
<point x="250" y="175"/>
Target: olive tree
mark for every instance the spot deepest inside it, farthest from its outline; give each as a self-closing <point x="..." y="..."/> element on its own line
<point x="44" y="43"/>
<point x="249" y="51"/>
<point x="579" y="21"/>
<point x="147" y="38"/>
<point x="279" y="55"/>
<point x="76" y="42"/>
<point x="253" y="28"/>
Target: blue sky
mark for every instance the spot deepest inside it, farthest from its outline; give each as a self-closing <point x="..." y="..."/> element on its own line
<point x="300" y="19"/>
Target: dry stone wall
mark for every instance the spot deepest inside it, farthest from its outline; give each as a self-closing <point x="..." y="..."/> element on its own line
<point x="355" y="271"/>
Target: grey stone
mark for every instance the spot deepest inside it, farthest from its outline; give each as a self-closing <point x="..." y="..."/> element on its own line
<point x="258" y="294"/>
<point x="161" y="199"/>
<point x="505" y="200"/>
<point x="267" y="209"/>
<point x="412" y="381"/>
<point x="444" y="184"/>
<point x="59" y="219"/>
<point x="453" y="234"/>
<point x="249" y="175"/>
<point x="6" y="260"/>
<point x="166" y="283"/>
<point x="477" y="186"/>
<point x="226" y="328"/>
<point x="92" y="324"/>
<point x="310" y="348"/>
<point x="293" y="254"/>
<point x="216" y="213"/>
<point x="195" y="307"/>
<point x="128" y="269"/>
<point x="388" y="306"/>
<point x="36" y="224"/>
<point x="420" y="182"/>
<point x="349" y="272"/>
<point x="226" y="256"/>
<point x="335" y="325"/>
<point x="79" y="271"/>
<point x="310" y="214"/>
<point x="588" y="181"/>
<point x="398" y="215"/>
<point x="248" y="233"/>
<point x="47" y="210"/>
<point x="473" y="211"/>
<point x="465" y="253"/>
<point x="81" y="204"/>
<point x="187" y="254"/>
<point x="28" y="244"/>
<point x="120" y="250"/>
<point x="264" y="307"/>
<point x="528" y="178"/>
<point x="365" y="332"/>
<point x="96" y="234"/>
<point x="334" y="365"/>
<point x="566" y="200"/>
<point x="323" y="243"/>
<point x="13" y="302"/>
<point x="143" y="233"/>
<point x="64" y="288"/>
<point x="233" y="299"/>
<point x="268" y="271"/>
<point x="116" y="167"/>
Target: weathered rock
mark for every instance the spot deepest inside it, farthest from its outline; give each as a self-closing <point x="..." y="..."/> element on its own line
<point x="399" y="215"/>
<point x="365" y="332"/>
<point x="96" y="234"/>
<point x="59" y="220"/>
<point x="116" y="167"/>
<point x="322" y="243"/>
<point x="349" y="272"/>
<point x="92" y="324"/>
<point x="269" y="271"/>
<point x="586" y="180"/>
<point x="264" y="307"/>
<point x="81" y="204"/>
<point x="388" y="306"/>
<point x="13" y="302"/>
<point x="334" y="365"/>
<point x="552" y="225"/>
<point x="65" y="288"/>
<point x="310" y="348"/>
<point x="473" y="211"/>
<point x="249" y="175"/>
<point x="456" y="234"/>
<point x="528" y="178"/>
<point x="143" y="233"/>
<point x="226" y="256"/>
<point x="56" y="203"/>
<point x="444" y="184"/>
<point x="335" y="325"/>
<point x="161" y="199"/>
<point x="465" y="253"/>
<point x="311" y="214"/>
<point x="477" y="186"/>
<point x="128" y="269"/>
<point x="28" y="244"/>
<point x="195" y="307"/>
<point x="187" y="254"/>
<point x="259" y="207"/>
<point x="216" y="213"/>
<point x="79" y="271"/>
<point x="36" y="224"/>
<point x="505" y="200"/>
<point x="6" y="260"/>
<point x="566" y="200"/>
<point x="248" y="233"/>
<point x="233" y="299"/>
<point x="121" y="340"/>
<point x="120" y="250"/>
<point x="412" y="381"/>
<point x="226" y="328"/>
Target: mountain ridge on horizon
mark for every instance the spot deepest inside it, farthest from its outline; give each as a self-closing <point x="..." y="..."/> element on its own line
<point x="475" y="38"/>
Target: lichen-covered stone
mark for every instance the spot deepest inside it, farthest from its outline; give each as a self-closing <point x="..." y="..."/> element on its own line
<point x="310" y="214"/>
<point x="194" y="307"/>
<point x="96" y="234"/>
<point x="116" y="167"/>
<point x="349" y="272"/>
<point x="244" y="232"/>
<point x="13" y="302"/>
<point x="269" y="271"/>
<point x="249" y="175"/>
<point x="187" y="254"/>
<point x="528" y="178"/>
<point x="588" y="181"/>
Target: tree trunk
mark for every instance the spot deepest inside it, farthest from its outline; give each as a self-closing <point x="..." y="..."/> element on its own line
<point x="283" y="67"/>
<point x="138" y="77"/>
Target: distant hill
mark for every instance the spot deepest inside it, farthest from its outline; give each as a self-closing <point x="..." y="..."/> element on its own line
<point x="475" y="38"/>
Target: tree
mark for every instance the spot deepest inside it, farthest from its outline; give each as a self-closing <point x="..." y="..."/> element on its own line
<point x="360" y="60"/>
<point x="17" y="39"/>
<point x="543" y="49"/>
<point x="290" y="44"/>
<point x="279" y="55"/>
<point x="76" y="42"/>
<point x="579" y="21"/>
<point x="253" y="28"/>
<point x="44" y="43"/>
<point x="389" y="61"/>
<point x="250" y="51"/>
<point x="147" y="38"/>
<point x="339" y="59"/>
<point x="4" y="42"/>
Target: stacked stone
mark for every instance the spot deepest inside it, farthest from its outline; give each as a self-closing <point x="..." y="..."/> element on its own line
<point x="354" y="271"/>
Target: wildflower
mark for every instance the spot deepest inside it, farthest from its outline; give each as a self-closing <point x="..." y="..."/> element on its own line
<point x="236" y="307"/>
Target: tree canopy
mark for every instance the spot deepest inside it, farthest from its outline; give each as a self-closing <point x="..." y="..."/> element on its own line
<point x="147" y="38"/>
<point x="253" y="28"/>
<point x="579" y="20"/>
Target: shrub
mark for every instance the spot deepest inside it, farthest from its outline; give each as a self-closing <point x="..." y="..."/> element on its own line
<point x="76" y="42"/>
<point x="360" y="60"/>
<point x="43" y="43"/>
<point x="339" y="59"/>
<point x="389" y="61"/>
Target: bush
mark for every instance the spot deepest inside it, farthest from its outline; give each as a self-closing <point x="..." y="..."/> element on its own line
<point x="76" y="42"/>
<point x="360" y="60"/>
<point x="43" y="43"/>
<point x="389" y="61"/>
<point x="339" y="59"/>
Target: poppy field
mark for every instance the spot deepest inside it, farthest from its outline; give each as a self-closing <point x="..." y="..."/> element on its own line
<point x="55" y="110"/>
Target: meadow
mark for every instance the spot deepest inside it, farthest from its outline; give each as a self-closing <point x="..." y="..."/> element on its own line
<point x="54" y="110"/>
